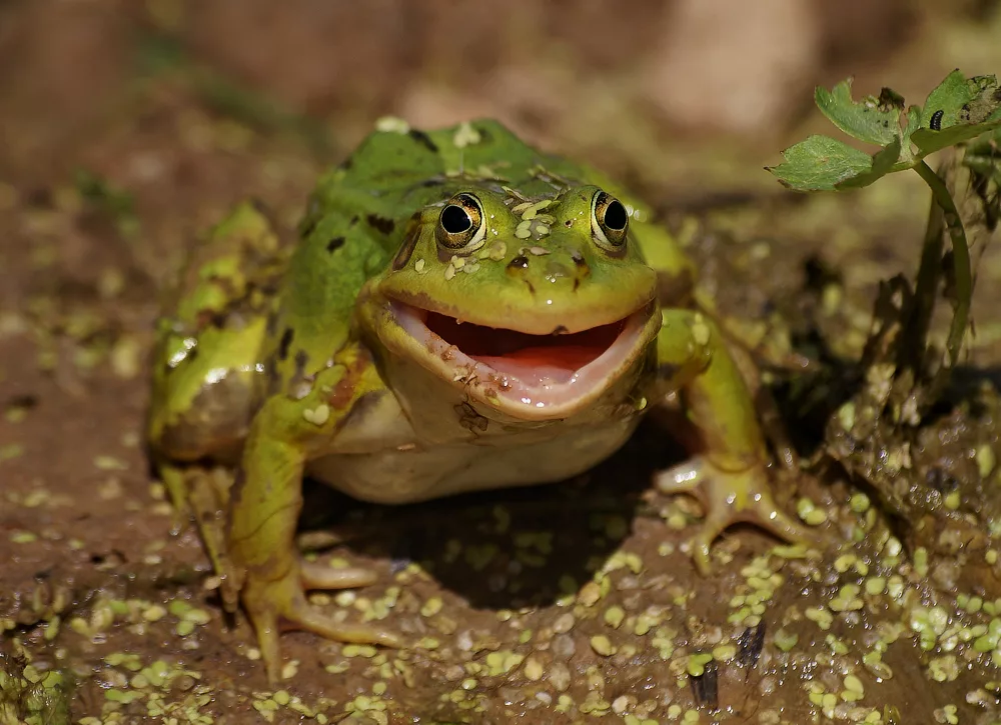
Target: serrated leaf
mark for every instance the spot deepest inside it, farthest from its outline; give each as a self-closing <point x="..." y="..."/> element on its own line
<point x="866" y="120"/>
<point x="882" y="164"/>
<point x="961" y="108"/>
<point x="820" y="163"/>
<point x="931" y="141"/>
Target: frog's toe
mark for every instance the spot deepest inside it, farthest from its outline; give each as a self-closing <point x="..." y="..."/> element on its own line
<point x="276" y="604"/>
<point x="730" y="497"/>
<point x="319" y="576"/>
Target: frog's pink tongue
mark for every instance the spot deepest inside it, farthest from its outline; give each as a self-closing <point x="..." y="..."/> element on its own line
<point x="541" y="364"/>
<point x="532" y="359"/>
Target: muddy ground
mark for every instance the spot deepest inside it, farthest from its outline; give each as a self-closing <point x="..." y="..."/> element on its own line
<point x="128" y="129"/>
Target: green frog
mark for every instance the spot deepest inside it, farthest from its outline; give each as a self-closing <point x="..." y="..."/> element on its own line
<point x="458" y="312"/>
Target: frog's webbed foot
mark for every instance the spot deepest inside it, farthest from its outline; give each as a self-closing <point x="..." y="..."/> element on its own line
<point x="274" y="604"/>
<point x="730" y="497"/>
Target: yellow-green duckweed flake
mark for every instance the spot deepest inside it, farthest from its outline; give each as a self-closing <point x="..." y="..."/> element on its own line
<point x="318" y="415"/>
<point x="23" y="537"/>
<point x="696" y="663"/>
<point x="875" y="585"/>
<point x="645" y="621"/>
<point x="614" y="616"/>
<point x="847" y="599"/>
<point x="603" y="645"/>
<point x="392" y="124"/>
<point x="836" y="645"/>
<point x="952" y="500"/>
<point x="785" y="640"/>
<point x="809" y="513"/>
<point x="110" y="463"/>
<point x="633" y="720"/>
<point x="947" y="714"/>
<point x="873" y="661"/>
<point x="943" y="669"/>
<point x="622" y="559"/>
<point x="589" y="594"/>
<point x="921" y="561"/>
<point x="724" y="652"/>
<point x="533" y="669"/>
<point x="466" y="135"/>
<point x="986" y="460"/>
<point x="854" y="689"/>
<point x="859" y="503"/>
<point x="691" y="717"/>
<point x="821" y="616"/>
<point x="503" y="661"/>
<point x="359" y="650"/>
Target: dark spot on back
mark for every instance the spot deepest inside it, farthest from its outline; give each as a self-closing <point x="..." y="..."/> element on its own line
<point x="423" y="139"/>
<point x="485" y="135"/>
<point x="520" y="262"/>
<point x="347" y="163"/>
<point x="354" y="220"/>
<point x="334" y="244"/>
<point x="384" y="225"/>
<point x="307" y="226"/>
<point x="258" y="206"/>
<point x="285" y="343"/>
<point x="301" y="358"/>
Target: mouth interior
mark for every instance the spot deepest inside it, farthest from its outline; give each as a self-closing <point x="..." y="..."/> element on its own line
<point x="538" y="359"/>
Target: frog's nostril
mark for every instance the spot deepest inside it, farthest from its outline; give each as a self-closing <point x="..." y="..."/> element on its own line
<point x="517" y="263"/>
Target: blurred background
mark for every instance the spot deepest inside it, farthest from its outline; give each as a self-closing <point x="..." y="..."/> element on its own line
<point x="631" y="83"/>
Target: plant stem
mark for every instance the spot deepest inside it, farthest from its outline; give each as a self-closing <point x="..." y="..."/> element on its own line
<point x="960" y="259"/>
<point x="917" y="318"/>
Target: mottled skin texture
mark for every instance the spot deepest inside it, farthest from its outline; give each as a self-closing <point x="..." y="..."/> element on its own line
<point x="279" y="358"/>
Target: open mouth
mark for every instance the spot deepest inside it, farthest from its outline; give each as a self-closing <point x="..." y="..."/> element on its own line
<point x="539" y="371"/>
<point x="535" y="359"/>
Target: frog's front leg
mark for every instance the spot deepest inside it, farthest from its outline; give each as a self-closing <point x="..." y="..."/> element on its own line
<point x="730" y="474"/>
<point x="264" y="510"/>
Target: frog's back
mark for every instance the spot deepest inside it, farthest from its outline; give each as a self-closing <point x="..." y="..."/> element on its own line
<point x="358" y="215"/>
<point x="394" y="173"/>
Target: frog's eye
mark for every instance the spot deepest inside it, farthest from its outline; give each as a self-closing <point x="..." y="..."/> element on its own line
<point x="609" y="221"/>
<point x="460" y="224"/>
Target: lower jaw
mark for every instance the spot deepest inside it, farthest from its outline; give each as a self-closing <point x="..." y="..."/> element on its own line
<point x="540" y="391"/>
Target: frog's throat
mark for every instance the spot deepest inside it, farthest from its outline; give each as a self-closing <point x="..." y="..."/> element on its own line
<point x="533" y="377"/>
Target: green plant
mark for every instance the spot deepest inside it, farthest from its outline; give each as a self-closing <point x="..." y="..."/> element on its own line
<point x="958" y="110"/>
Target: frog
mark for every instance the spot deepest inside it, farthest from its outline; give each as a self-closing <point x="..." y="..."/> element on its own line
<point x="457" y="311"/>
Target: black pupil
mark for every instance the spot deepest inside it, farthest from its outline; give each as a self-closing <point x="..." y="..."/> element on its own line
<point x="455" y="219"/>
<point x="615" y="215"/>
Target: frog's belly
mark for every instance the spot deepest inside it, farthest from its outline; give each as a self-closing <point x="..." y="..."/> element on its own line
<point x="405" y="476"/>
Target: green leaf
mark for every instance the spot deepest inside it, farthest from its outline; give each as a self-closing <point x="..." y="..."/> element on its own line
<point x="962" y="108"/>
<point x="821" y="163"/>
<point x="873" y="120"/>
<point x="882" y="164"/>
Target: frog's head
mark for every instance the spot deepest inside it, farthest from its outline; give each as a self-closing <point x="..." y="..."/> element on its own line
<point x="535" y="307"/>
